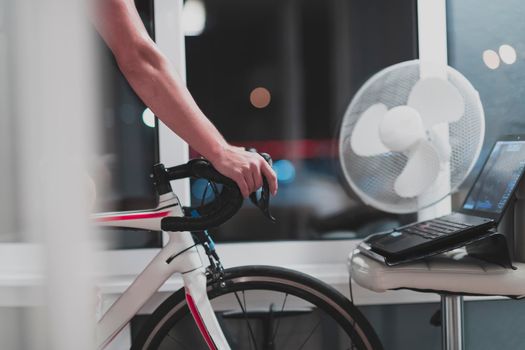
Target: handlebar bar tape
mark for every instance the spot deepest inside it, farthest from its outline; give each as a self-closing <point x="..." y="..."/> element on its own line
<point x="228" y="202"/>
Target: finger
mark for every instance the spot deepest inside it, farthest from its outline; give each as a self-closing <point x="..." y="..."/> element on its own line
<point x="248" y="177"/>
<point x="270" y="177"/>
<point x="257" y="179"/>
<point x="243" y="186"/>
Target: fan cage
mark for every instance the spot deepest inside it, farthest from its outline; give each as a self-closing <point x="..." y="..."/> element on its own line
<point x="372" y="178"/>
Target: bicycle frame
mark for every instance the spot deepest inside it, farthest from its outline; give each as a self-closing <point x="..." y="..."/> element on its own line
<point x="180" y="255"/>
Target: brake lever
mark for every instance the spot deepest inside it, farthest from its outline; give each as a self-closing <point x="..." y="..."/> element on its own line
<point x="263" y="203"/>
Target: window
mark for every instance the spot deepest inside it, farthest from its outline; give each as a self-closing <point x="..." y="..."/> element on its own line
<point x="486" y="44"/>
<point x="278" y="76"/>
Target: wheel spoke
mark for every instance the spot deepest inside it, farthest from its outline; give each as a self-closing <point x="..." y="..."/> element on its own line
<point x="279" y="319"/>
<point x="245" y="313"/>
<point x="243" y="308"/>
<point x="310" y="335"/>
<point x="246" y="309"/>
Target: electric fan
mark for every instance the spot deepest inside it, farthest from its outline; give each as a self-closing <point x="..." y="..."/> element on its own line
<point x="407" y="140"/>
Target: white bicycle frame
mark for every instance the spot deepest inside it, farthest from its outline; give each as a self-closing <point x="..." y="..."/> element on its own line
<point x="179" y="255"/>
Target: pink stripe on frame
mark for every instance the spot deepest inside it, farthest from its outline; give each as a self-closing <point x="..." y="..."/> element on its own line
<point x="200" y="322"/>
<point x="137" y="216"/>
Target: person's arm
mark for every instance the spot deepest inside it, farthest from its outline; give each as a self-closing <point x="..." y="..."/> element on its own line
<point x="155" y="81"/>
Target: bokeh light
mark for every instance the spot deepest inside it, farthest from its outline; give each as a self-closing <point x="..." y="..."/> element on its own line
<point x="193" y="17"/>
<point x="285" y="170"/>
<point x="507" y="54"/>
<point x="260" y="97"/>
<point x="491" y="59"/>
<point x="148" y="118"/>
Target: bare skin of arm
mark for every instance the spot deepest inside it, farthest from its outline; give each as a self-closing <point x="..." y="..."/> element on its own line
<point x="156" y="82"/>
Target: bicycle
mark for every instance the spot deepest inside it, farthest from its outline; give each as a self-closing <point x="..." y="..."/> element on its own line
<point x="269" y="300"/>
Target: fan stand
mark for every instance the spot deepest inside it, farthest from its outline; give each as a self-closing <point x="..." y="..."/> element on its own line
<point x="433" y="55"/>
<point x="451" y="304"/>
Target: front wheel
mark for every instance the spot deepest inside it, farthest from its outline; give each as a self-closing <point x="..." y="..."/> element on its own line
<point x="264" y="308"/>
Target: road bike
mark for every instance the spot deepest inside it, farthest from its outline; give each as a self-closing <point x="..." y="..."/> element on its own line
<point x="273" y="308"/>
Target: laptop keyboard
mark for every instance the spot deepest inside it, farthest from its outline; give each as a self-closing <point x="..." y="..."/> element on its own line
<point x="435" y="228"/>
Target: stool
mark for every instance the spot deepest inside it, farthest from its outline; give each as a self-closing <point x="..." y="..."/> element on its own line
<point x="452" y="275"/>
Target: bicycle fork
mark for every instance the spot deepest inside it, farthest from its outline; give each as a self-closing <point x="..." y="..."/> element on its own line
<point x="202" y="311"/>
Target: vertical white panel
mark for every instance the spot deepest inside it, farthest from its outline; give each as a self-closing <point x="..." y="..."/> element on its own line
<point x="55" y="110"/>
<point x="169" y="36"/>
<point x="432" y="42"/>
<point x="432" y="36"/>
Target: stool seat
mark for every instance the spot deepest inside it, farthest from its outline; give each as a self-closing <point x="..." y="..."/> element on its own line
<point x="450" y="273"/>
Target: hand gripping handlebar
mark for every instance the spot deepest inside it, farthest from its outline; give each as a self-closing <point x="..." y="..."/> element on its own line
<point x="215" y="213"/>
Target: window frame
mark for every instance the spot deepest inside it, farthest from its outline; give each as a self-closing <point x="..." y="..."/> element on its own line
<point x="118" y="267"/>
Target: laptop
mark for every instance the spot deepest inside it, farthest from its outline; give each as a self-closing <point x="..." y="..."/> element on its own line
<point x="481" y="211"/>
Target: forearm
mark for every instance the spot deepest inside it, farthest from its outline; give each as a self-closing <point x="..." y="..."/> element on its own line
<point x="158" y="85"/>
<point x="156" y="82"/>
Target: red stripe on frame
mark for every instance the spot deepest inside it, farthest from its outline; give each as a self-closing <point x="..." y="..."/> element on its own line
<point x="138" y="216"/>
<point x="200" y="322"/>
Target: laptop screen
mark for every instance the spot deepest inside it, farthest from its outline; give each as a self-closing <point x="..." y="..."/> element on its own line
<point x="498" y="179"/>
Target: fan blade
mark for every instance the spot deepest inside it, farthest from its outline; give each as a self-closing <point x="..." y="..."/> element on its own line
<point x="420" y="172"/>
<point x="401" y="128"/>
<point x="365" y="140"/>
<point x="437" y="101"/>
<point x="440" y="140"/>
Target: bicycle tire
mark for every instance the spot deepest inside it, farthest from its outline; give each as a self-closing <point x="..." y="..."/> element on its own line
<point x="266" y="278"/>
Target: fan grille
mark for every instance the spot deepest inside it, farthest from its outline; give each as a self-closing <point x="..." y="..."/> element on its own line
<point x="372" y="178"/>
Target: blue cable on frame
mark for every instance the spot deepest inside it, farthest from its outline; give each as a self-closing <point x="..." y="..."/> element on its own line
<point x="211" y="242"/>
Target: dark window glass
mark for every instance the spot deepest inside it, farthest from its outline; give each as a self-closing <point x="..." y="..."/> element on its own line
<point x="278" y="75"/>
<point x="486" y="44"/>
<point x="128" y="150"/>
